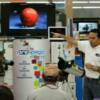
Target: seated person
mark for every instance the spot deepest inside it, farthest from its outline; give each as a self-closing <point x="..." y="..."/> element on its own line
<point x="50" y="90"/>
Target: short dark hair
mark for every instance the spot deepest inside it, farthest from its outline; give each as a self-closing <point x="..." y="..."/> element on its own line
<point x="6" y="93"/>
<point x="97" y="31"/>
<point x="51" y="79"/>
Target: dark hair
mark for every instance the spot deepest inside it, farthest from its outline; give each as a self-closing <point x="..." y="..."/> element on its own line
<point x="49" y="78"/>
<point x="97" y="31"/>
<point x="6" y="93"/>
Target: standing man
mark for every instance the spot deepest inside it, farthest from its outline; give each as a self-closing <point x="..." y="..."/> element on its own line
<point x="91" y="49"/>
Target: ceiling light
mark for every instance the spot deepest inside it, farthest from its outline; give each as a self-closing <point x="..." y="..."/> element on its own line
<point x="38" y="2"/>
<point x="76" y="2"/>
<point x="94" y="1"/>
<point x="58" y="1"/>
<point x="80" y="2"/>
<point x="86" y="7"/>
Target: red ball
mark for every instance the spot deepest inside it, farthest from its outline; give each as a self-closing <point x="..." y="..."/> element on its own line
<point x="29" y="16"/>
<point x="37" y="73"/>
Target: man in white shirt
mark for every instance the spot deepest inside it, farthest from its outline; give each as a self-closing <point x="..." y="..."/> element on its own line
<point x="50" y="90"/>
<point x="91" y="49"/>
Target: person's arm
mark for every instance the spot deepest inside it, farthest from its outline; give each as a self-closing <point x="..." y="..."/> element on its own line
<point x="68" y="38"/>
<point x="92" y="67"/>
<point x="96" y="68"/>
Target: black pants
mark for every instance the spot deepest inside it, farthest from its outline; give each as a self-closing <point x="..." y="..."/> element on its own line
<point x="91" y="88"/>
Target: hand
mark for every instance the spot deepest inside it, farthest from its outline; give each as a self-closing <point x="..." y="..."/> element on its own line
<point x="89" y="66"/>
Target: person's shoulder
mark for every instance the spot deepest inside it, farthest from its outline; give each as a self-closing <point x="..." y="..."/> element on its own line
<point x="35" y="93"/>
<point x="62" y="92"/>
<point x="31" y="95"/>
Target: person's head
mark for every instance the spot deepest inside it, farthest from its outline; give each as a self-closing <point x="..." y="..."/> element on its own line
<point x="51" y="73"/>
<point x="94" y="37"/>
<point x="6" y="93"/>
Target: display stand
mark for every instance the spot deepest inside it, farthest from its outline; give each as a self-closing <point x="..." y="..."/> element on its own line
<point x="29" y="57"/>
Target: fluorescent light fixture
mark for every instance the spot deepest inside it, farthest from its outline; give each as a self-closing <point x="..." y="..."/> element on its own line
<point x="77" y="2"/>
<point x="58" y="1"/>
<point x="73" y="2"/>
<point x="86" y="7"/>
<point x="92" y="7"/>
<point x="80" y="2"/>
<point x="77" y="7"/>
<point x="45" y="2"/>
<point x="94" y="1"/>
<point x="37" y="2"/>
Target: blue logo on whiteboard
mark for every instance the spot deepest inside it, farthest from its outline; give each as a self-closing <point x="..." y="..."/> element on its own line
<point x="23" y="52"/>
<point x="31" y="52"/>
<point x="38" y="52"/>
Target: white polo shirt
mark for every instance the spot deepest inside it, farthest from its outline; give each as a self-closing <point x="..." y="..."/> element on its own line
<point x="92" y="56"/>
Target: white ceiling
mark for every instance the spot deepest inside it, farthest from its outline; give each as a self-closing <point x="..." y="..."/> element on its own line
<point x="45" y="0"/>
<point x="76" y="3"/>
<point x="81" y="10"/>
